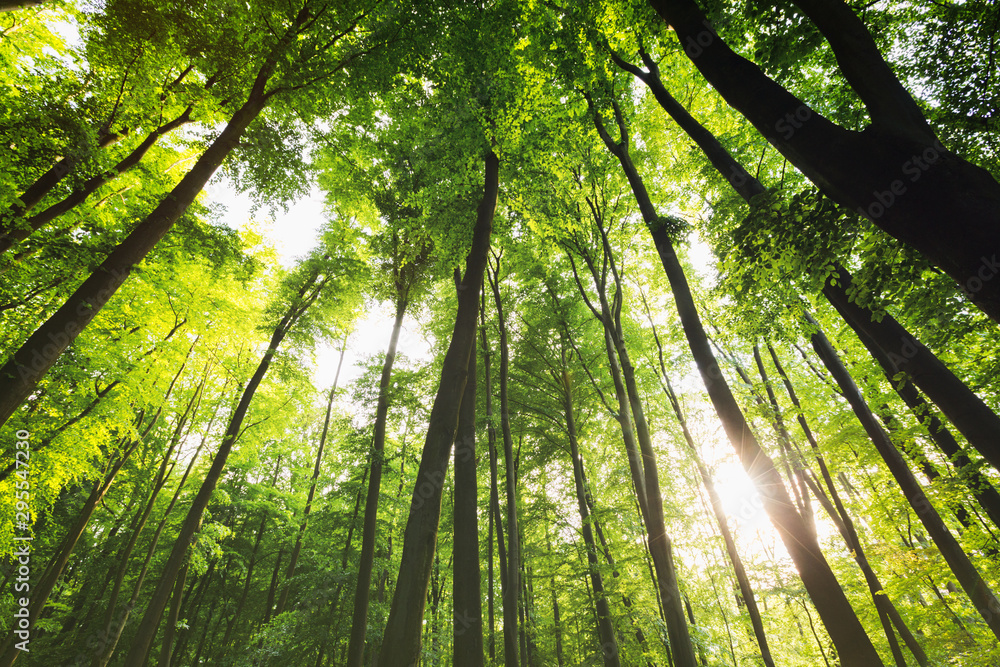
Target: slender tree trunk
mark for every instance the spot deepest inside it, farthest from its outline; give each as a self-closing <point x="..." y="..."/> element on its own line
<point x="511" y="593"/>
<point x="166" y="648"/>
<point x="359" y="622"/>
<point x="971" y="581"/>
<point x="294" y="559"/>
<point x="605" y="623"/>
<point x="192" y="523"/>
<point x="838" y="513"/>
<point x="50" y="576"/>
<point x="420" y="537"/>
<point x="466" y="582"/>
<point x="494" y="513"/>
<point x="853" y="644"/>
<point x="895" y="172"/>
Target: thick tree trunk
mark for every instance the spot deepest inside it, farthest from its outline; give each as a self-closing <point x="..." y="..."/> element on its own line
<point x="466" y="581"/>
<point x="512" y="591"/>
<point x="170" y="629"/>
<point x="359" y="621"/>
<point x="895" y="172"/>
<point x="971" y="581"/>
<point x="884" y="337"/>
<point x="420" y="538"/>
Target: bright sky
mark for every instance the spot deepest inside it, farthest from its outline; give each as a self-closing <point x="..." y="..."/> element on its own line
<point x="293" y="235"/>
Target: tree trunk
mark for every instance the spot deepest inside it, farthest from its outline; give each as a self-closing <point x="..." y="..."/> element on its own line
<point x="895" y="172"/>
<point x="969" y="578"/>
<point x="50" y="576"/>
<point x="192" y="522"/>
<point x="853" y="644"/>
<point x="512" y="591"/>
<point x="890" y="342"/>
<point x="466" y="582"/>
<point x="359" y="621"/>
<point x="294" y="559"/>
<point x="11" y="234"/>
<point x="420" y="537"/>
<point x="26" y="367"/>
<point x="838" y="513"/>
<point x="605" y="623"/>
<point x="884" y="337"/>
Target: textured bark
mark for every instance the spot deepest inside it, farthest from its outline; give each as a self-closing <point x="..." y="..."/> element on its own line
<point x="359" y="621"/>
<point x="968" y="577"/>
<point x="420" y="537"/>
<point x="895" y="171"/>
<point x="466" y="580"/>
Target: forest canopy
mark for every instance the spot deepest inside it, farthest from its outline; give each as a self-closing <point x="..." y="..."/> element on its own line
<point x="630" y="334"/>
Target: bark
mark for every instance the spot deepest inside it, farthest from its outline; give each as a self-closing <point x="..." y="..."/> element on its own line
<point x="420" y="536"/>
<point x="54" y="570"/>
<point x="466" y="582"/>
<point x="496" y="526"/>
<point x="968" y="577"/>
<point x="890" y="343"/>
<point x="28" y="364"/>
<point x="838" y="513"/>
<point x="359" y="621"/>
<point x="10" y="6"/>
<point x="884" y="337"/>
<point x="512" y="591"/>
<point x="746" y="590"/>
<point x="605" y="623"/>
<point x="309" y="292"/>
<point x="167" y="645"/>
<point x="115" y="627"/>
<point x="12" y="233"/>
<point x="895" y="171"/>
<point x="846" y="631"/>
